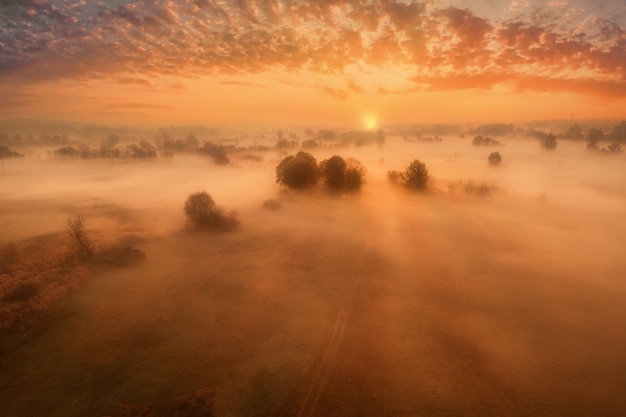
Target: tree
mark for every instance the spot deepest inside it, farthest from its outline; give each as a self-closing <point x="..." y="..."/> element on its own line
<point x="494" y="158"/>
<point x="299" y="171"/>
<point x="217" y="152"/>
<point x="76" y="230"/>
<point x="549" y="142"/>
<point x="202" y="213"/>
<point x="415" y="177"/>
<point x="593" y="137"/>
<point x="355" y="172"/>
<point x="342" y="175"/>
<point x="333" y="172"/>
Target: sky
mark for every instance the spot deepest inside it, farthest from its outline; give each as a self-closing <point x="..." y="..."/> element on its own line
<point x="361" y="63"/>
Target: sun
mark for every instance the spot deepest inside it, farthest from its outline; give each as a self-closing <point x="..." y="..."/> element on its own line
<point x="370" y="122"/>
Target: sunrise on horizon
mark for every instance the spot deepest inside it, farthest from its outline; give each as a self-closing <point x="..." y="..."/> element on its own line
<point x="272" y="62"/>
<point x="298" y="208"/>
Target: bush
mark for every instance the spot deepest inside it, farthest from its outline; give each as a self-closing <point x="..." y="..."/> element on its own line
<point x="299" y="171"/>
<point x="271" y="204"/>
<point x="494" y="158"/>
<point x="414" y="177"/>
<point x="204" y="214"/>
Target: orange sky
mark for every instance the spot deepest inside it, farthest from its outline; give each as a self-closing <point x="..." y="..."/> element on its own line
<point x="289" y="62"/>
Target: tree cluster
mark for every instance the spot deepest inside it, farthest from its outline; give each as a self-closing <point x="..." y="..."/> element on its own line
<point x="142" y="150"/>
<point x="6" y="152"/>
<point x="342" y="175"/>
<point x="484" y="141"/>
<point x="302" y="171"/>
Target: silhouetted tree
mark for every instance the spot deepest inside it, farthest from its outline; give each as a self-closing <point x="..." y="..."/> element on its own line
<point x="574" y="132"/>
<point x="619" y="132"/>
<point x="333" y="172"/>
<point x="217" y="152"/>
<point x="68" y="151"/>
<point x="78" y="236"/>
<point x="310" y="144"/>
<point x="299" y="171"/>
<point x="593" y="137"/>
<point x="6" y="152"/>
<point x="355" y="172"/>
<point x="494" y="158"/>
<point x="415" y="177"/>
<point x="499" y="129"/>
<point x="342" y="175"/>
<point x="549" y="142"/>
<point x="107" y="145"/>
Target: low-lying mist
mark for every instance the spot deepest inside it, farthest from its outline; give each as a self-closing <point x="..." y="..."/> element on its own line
<point x="378" y="303"/>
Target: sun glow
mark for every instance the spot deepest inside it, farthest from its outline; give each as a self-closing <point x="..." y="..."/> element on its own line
<point x="370" y="122"/>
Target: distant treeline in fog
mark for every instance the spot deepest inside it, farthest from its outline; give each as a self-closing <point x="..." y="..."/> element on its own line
<point x="93" y="142"/>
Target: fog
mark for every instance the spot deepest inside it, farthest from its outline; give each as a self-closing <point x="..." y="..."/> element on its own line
<point x="379" y="303"/>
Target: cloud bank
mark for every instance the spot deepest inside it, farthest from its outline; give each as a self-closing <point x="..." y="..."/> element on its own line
<point x="553" y="46"/>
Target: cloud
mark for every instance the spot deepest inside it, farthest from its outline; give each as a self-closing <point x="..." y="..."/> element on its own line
<point x="16" y="99"/>
<point x="242" y="83"/>
<point x="334" y="92"/>
<point x="134" y="105"/>
<point x="134" y="80"/>
<point x="137" y="42"/>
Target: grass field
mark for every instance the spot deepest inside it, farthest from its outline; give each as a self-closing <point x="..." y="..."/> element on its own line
<point x="384" y="303"/>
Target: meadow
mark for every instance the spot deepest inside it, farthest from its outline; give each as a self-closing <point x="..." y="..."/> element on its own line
<point x="383" y="302"/>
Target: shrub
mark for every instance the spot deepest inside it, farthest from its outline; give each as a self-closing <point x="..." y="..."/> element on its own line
<point x="613" y="148"/>
<point x="473" y="188"/>
<point x="204" y="214"/>
<point x="271" y="204"/>
<point x="299" y="171"/>
<point x="414" y="177"/>
<point x="494" y="158"/>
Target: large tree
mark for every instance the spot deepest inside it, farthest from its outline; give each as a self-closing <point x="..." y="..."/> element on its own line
<point x="299" y="171"/>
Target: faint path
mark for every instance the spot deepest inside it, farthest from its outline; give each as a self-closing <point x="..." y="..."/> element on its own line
<point x="313" y="385"/>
